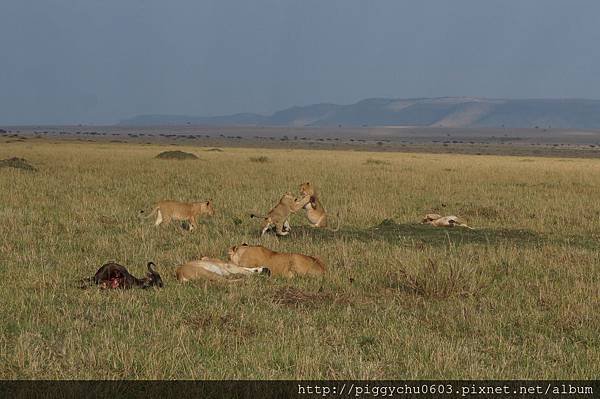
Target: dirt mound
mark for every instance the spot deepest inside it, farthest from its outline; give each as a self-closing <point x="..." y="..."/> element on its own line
<point x="17" y="163"/>
<point x="176" y="155"/>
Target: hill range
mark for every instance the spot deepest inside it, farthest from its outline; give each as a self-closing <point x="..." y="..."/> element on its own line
<point x="451" y="112"/>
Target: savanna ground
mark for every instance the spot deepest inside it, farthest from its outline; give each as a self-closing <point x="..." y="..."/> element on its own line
<point x="516" y="298"/>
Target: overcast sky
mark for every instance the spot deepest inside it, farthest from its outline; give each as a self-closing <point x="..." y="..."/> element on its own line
<point x="99" y="61"/>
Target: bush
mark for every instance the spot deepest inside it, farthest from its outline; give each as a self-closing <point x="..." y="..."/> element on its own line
<point x="261" y="159"/>
<point x="176" y="155"/>
<point x="452" y="279"/>
<point x="17" y="163"/>
<point x="372" y="161"/>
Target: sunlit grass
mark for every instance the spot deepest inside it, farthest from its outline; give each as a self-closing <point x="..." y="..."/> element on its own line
<point x="515" y="298"/>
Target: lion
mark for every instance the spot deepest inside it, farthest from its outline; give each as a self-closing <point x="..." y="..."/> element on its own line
<point x="278" y="216"/>
<point x="430" y="217"/>
<point x="443" y="221"/>
<point x="279" y="263"/>
<point x="315" y="212"/>
<point x="214" y="270"/>
<point x="182" y="211"/>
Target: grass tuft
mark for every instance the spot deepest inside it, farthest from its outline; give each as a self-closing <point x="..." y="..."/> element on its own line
<point x="222" y="323"/>
<point x="439" y="281"/>
<point x="372" y="161"/>
<point x="260" y="159"/>
<point x="292" y="296"/>
<point x="17" y="163"/>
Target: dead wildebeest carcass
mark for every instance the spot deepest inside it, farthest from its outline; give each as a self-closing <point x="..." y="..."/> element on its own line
<point x="113" y="275"/>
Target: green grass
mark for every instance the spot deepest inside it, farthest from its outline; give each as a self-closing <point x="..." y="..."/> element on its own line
<point x="517" y="297"/>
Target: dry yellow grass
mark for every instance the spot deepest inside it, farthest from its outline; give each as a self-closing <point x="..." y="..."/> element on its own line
<point x="516" y="298"/>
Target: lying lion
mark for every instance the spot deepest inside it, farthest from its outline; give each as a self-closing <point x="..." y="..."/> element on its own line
<point x="278" y="216"/>
<point x="214" y="270"/>
<point x="279" y="263"/>
<point x="443" y="221"/>
<point x="181" y="211"/>
<point x="315" y="212"/>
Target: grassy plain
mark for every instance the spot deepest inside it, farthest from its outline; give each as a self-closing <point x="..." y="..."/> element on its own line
<point x="516" y="298"/>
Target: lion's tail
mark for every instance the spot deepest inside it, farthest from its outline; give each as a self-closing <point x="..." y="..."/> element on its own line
<point x="337" y="217"/>
<point x="320" y="263"/>
<point x="465" y="226"/>
<point x="252" y="215"/>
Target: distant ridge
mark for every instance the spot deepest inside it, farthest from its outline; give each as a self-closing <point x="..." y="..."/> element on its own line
<point x="455" y="112"/>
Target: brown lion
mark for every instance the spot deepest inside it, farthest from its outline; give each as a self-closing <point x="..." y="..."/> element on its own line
<point x="182" y="211"/>
<point x="279" y="263"/>
<point x="214" y="270"/>
<point x="315" y="212"/>
<point x="443" y="221"/>
<point x="278" y="216"/>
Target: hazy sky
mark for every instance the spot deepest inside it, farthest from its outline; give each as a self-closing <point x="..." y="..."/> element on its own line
<point x="98" y="61"/>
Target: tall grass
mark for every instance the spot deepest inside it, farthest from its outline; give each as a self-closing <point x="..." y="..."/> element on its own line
<point x="516" y="298"/>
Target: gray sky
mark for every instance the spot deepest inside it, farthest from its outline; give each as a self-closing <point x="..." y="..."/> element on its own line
<point x="98" y="61"/>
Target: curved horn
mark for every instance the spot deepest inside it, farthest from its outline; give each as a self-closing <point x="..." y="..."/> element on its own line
<point x="151" y="266"/>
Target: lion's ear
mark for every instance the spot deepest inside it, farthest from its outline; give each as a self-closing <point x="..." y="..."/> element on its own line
<point x="208" y="202"/>
<point x="244" y="244"/>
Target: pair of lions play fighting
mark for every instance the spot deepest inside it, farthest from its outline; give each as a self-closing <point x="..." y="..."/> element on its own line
<point x="167" y="211"/>
<point x="278" y="216"/>
<point x="251" y="259"/>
